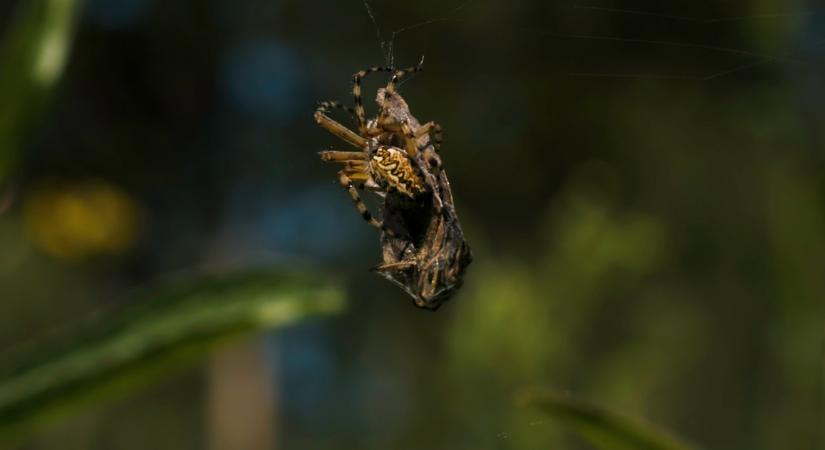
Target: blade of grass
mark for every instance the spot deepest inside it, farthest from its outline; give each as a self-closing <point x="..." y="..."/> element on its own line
<point x="603" y="428"/>
<point x="33" y="53"/>
<point x="166" y="331"/>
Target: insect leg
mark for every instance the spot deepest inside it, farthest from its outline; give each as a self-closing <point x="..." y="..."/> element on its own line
<point x="434" y="130"/>
<point x="394" y="266"/>
<point x="410" y="142"/>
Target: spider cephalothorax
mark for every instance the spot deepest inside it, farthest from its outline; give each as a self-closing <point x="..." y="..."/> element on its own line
<point x="423" y="246"/>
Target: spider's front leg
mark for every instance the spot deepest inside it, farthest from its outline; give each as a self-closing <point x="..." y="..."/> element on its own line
<point x="322" y="119"/>
<point x="402" y="127"/>
<point x="341" y="156"/>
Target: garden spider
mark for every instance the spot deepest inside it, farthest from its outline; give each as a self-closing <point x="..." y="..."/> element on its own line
<point x="388" y="144"/>
<point x="423" y="246"/>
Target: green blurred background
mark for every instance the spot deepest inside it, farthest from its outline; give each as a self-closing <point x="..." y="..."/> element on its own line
<point x="643" y="185"/>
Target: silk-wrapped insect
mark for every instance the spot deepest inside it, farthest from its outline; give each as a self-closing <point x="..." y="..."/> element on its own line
<point x="423" y="246"/>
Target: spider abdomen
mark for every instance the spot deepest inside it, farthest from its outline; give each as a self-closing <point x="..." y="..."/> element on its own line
<point x="392" y="167"/>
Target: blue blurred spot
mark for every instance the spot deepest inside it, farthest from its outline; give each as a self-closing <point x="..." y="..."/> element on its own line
<point x="116" y="14"/>
<point x="306" y="370"/>
<point x="261" y="77"/>
<point x="312" y="223"/>
<point x="812" y="34"/>
<point x="320" y="222"/>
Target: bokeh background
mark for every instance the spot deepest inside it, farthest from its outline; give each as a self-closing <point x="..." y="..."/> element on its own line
<point x="643" y="185"/>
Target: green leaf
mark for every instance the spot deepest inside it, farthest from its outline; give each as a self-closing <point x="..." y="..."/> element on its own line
<point x="603" y="428"/>
<point x="162" y="332"/>
<point x="33" y="53"/>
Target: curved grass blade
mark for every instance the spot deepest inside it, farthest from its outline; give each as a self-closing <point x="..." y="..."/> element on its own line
<point x="165" y="332"/>
<point x="33" y="53"/>
<point x="603" y="428"/>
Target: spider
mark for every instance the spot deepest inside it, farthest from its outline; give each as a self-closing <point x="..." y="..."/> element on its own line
<point x="422" y="243"/>
<point x="388" y="145"/>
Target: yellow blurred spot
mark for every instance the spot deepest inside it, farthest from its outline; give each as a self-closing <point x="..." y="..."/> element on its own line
<point x="76" y="222"/>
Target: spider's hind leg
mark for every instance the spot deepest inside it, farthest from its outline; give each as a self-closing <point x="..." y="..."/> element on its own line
<point x="346" y="177"/>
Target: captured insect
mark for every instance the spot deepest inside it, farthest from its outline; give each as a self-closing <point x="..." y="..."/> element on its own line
<point x="422" y="243"/>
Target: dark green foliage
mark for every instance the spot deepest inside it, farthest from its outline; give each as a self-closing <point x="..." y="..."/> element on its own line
<point x="167" y="329"/>
<point x="606" y="429"/>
